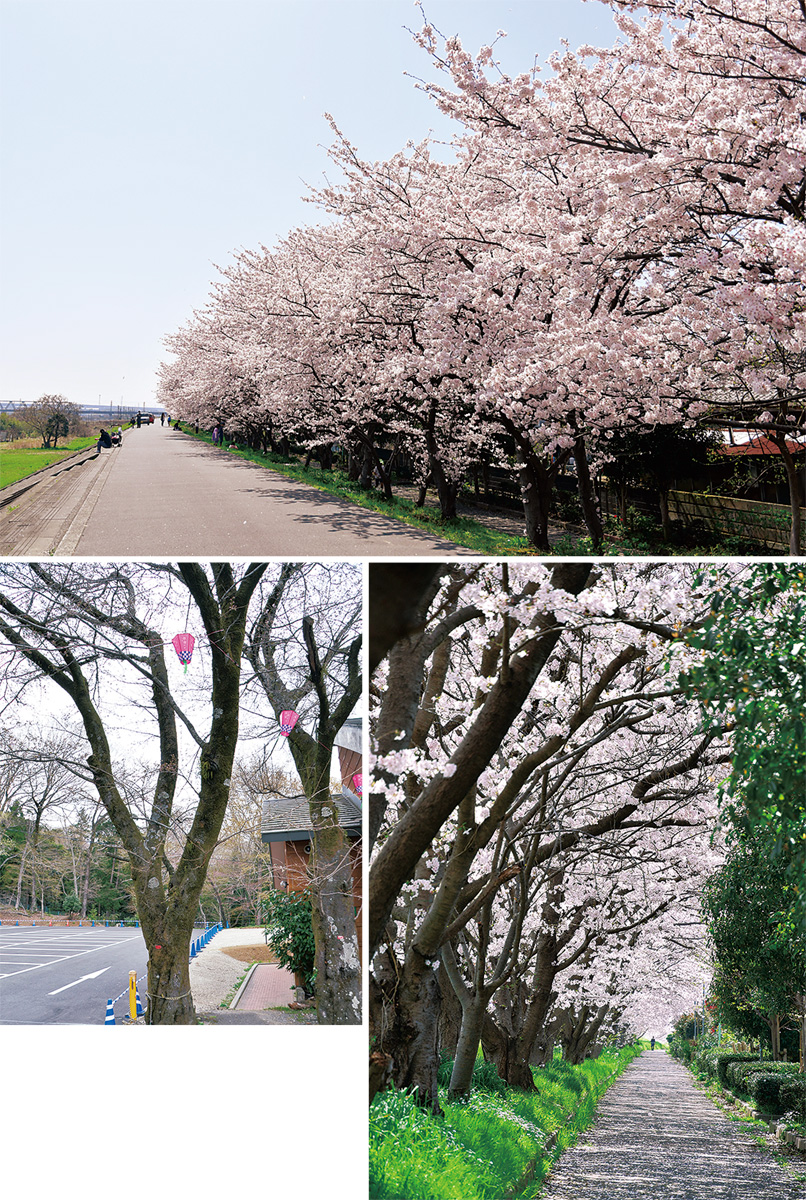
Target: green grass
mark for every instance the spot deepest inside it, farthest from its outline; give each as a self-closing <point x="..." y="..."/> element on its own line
<point x="490" y="1144"/>
<point x="16" y="464"/>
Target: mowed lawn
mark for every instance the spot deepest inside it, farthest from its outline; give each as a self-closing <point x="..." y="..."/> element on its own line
<point x="17" y="461"/>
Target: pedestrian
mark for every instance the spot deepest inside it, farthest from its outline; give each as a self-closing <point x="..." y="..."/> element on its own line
<point x="162" y="418"/>
<point x="139" y="419"/>
<point x="652" y="1043"/>
<point x="216" y="435"/>
<point x="104" y="441"/>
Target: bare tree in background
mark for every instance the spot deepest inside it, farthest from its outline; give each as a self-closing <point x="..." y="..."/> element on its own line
<point x="305" y="649"/>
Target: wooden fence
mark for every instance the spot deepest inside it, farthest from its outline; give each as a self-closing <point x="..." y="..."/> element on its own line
<point x="750" y="520"/>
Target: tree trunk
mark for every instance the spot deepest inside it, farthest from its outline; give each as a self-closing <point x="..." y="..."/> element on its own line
<point x="587" y="496"/>
<point x="338" y="968"/>
<point x="796" y="498"/>
<point x="665" y="520"/>
<point x="536" y="487"/>
<point x="169" y="997"/>
<point x="468" y="1046"/>
<point x="410" y="1034"/>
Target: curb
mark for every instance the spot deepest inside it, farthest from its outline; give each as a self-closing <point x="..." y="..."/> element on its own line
<point x="234" y="1001"/>
<point x="75" y="459"/>
<point x="70" y="538"/>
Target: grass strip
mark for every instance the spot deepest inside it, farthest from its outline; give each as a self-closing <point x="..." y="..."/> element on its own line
<point x="496" y="1144"/>
<point x="18" y="463"/>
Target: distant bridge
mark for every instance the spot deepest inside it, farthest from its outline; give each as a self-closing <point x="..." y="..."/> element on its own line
<point x="94" y="413"/>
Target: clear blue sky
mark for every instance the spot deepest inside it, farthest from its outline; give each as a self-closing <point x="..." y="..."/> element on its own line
<point x="142" y="141"/>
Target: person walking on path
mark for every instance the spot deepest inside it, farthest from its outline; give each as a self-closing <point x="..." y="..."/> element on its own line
<point x="656" y="1137"/>
<point x="652" y="1043"/>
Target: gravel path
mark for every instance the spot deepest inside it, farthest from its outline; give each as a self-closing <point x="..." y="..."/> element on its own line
<point x="656" y="1136"/>
<point x="213" y="974"/>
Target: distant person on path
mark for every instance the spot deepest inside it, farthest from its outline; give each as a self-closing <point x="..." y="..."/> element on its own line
<point x="162" y="418"/>
<point x="652" y="1043"/>
<point x="216" y="435"/>
<point x="139" y="419"/>
<point x="104" y="441"/>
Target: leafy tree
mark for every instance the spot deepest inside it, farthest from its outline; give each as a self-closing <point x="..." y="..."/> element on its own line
<point x="747" y="904"/>
<point x="52" y="416"/>
<point x="751" y="678"/>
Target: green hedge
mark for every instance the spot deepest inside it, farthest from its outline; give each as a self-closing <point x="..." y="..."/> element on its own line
<point x="792" y="1095"/>
<point x="765" y="1088"/>
<point x="725" y="1059"/>
<point x="740" y="1074"/>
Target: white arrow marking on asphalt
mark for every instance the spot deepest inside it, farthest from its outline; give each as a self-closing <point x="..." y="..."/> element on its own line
<point x="94" y="975"/>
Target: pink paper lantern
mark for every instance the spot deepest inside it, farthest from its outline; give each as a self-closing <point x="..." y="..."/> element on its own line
<point x="183" y="644"/>
<point x="357" y="782"/>
<point x="288" y="720"/>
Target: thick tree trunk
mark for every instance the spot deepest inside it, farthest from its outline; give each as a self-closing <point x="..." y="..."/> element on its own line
<point x="536" y="488"/>
<point x="410" y="1031"/>
<point x="338" y="968"/>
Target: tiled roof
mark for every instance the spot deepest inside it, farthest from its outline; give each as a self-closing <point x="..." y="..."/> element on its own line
<point x="760" y="445"/>
<point x="288" y="818"/>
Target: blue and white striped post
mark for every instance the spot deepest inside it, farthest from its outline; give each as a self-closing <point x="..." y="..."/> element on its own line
<point x="110" y="1013"/>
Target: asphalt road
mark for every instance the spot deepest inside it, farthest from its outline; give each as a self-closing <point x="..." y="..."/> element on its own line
<point x="65" y="975"/>
<point x="164" y="492"/>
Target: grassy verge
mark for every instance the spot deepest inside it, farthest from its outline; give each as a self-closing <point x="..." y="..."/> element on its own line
<point x="18" y="462"/>
<point x="498" y="1143"/>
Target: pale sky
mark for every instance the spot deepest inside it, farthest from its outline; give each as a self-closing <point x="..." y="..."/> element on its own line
<point x="142" y="141"/>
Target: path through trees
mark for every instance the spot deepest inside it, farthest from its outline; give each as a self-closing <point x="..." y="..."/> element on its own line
<point x="656" y="1135"/>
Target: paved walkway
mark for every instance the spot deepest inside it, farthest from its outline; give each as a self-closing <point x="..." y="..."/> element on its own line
<point x="269" y="986"/>
<point x="656" y="1137"/>
<point x="166" y="493"/>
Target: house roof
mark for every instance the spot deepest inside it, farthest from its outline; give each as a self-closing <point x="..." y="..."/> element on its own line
<point x="349" y="736"/>
<point x="288" y="818"/>
<point x="758" y="445"/>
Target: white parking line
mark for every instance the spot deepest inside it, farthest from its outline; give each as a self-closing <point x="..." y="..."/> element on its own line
<point x="61" y="958"/>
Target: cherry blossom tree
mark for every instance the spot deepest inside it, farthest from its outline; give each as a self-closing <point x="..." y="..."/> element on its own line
<point x="600" y="751"/>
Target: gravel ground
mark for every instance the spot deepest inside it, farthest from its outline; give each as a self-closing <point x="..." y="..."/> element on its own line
<point x="213" y="974"/>
<point x="656" y="1135"/>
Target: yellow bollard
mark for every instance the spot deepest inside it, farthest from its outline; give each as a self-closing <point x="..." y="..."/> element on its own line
<point x="133" y="995"/>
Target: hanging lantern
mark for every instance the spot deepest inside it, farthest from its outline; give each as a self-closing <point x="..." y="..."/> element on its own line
<point x="357" y="780"/>
<point x="288" y="720"/>
<point x="183" y="644"/>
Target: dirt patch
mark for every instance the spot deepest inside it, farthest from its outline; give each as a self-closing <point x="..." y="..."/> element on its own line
<point x="250" y="954"/>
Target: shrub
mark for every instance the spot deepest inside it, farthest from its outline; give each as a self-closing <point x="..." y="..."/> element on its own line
<point x="290" y="932"/>
<point x="792" y="1095"/>
<point x="765" y="1088"/>
<point x="724" y="1061"/>
<point x="740" y="1074"/>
